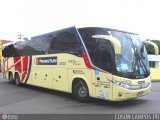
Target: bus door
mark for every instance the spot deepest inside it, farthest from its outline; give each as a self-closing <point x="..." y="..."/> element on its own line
<point x="104" y="69"/>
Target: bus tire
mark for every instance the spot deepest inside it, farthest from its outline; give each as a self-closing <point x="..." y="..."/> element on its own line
<point x="17" y="80"/>
<point x="10" y="78"/>
<point x="81" y="92"/>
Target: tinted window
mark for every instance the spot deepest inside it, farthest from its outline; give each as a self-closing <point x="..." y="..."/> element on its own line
<point x="37" y="47"/>
<point x="65" y="42"/>
<point x="9" y="51"/>
<point x="99" y="50"/>
<point x="101" y="55"/>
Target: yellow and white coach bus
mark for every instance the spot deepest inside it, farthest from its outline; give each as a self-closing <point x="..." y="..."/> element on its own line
<point x="86" y="61"/>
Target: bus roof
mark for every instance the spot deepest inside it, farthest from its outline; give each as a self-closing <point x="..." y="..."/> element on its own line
<point x="78" y="27"/>
<point x="51" y="33"/>
<point x="102" y="26"/>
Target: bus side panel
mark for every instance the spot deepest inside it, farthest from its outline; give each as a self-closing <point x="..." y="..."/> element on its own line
<point x="18" y="65"/>
<point x="59" y="72"/>
<point x="36" y="76"/>
<point x="46" y="78"/>
<point x="60" y="79"/>
<point x="25" y="68"/>
<point x="80" y="74"/>
<point x="103" y="88"/>
<point x="8" y="66"/>
<point x="78" y="70"/>
<point x="50" y="71"/>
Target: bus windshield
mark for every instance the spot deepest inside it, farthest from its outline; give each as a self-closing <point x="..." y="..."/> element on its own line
<point x="133" y="59"/>
<point x="131" y="63"/>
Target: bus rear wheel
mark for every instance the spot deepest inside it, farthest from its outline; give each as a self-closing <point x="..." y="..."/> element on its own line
<point x="81" y="92"/>
<point x="11" y="80"/>
<point x="17" y="80"/>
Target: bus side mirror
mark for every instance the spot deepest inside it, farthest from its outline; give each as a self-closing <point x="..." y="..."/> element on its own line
<point x="113" y="40"/>
<point x="156" y="49"/>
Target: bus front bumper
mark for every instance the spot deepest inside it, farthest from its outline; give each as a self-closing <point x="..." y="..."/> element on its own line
<point x="121" y="94"/>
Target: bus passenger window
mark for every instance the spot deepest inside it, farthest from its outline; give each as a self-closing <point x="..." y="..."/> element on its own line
<point x="65" y="42"/>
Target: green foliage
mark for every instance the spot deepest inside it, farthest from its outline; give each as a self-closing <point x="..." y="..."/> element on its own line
<point x="150" y="48"/>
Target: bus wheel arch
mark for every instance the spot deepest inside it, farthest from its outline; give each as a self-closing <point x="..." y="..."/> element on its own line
<point x="80" y="90"/>
<point x="17" y="79"/>
<point x="11" y="77"/>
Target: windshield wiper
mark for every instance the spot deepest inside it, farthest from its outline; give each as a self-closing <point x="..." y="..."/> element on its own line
<point x="144" y="64"/>
<point x="141" y="63"/>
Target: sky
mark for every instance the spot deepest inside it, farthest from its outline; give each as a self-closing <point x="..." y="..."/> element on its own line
<point x="34" y="17"/>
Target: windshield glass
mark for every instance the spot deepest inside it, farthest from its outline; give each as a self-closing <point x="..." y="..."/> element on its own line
<point x="133" y="58"/>
<point x="141" y="50"/>
<point x="131" y="63"/>
<point x="124" y="61"/>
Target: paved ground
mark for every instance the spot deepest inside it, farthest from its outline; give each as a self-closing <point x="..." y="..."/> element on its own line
<point x="29" y="99"/>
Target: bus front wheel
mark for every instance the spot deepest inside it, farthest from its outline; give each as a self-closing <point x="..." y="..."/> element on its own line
<point x="81" y="92"/>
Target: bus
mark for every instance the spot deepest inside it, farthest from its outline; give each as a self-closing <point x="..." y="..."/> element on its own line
<point x="154" y="60"/>
<point x="87" y="61"/>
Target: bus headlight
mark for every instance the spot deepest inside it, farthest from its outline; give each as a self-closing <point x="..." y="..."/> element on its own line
<point x="121" y="84"/>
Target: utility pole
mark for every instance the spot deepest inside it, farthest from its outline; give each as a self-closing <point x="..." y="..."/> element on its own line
<point x="19" y="36"/>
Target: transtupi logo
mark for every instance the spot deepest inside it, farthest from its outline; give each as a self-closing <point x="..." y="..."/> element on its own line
<point x="46" y="61"/>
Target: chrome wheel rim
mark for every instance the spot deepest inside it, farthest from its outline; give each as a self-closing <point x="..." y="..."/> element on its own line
<point x="82" y="92"/>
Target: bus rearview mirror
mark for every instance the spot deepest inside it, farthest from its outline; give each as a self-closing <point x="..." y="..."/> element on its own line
<point x="156" y="49"/>
<point x="113" y="40"/>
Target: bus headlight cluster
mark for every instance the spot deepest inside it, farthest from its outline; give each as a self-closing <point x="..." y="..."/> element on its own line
<point x="122" y="84"/>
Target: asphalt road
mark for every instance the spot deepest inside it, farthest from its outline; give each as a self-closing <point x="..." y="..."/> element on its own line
<point x="35" y="100"/>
